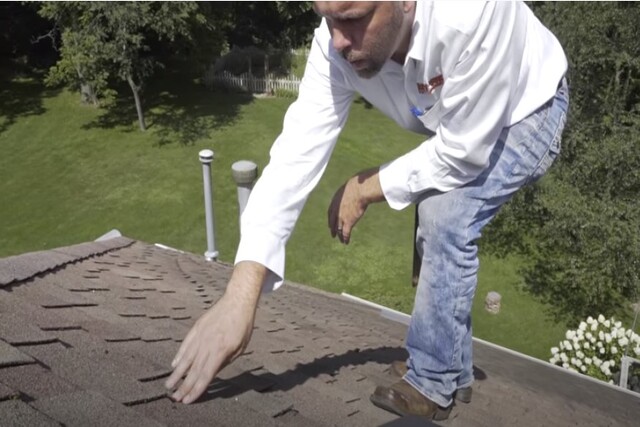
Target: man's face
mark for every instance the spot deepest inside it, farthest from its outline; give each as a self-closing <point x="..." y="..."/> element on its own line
<point x="365" y="33"/>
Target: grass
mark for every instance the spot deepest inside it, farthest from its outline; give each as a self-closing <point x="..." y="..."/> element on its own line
<point x="70" y="173"/>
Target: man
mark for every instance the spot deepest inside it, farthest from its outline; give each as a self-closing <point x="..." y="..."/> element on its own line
<point x="485" y="82"/>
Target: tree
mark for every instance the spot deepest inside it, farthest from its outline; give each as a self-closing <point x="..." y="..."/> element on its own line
<point x="579" y="228"/>
<point x="278" y="24"/>
<point x="103" y="42"/>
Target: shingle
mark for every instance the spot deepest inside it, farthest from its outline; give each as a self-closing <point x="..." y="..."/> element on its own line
<point x="80" y="369"/>
<point x="22" y="267"/>
<point x="218" y="412"/>
<point x="16" y="330"/>
<point x="86" y="408"/>
<point x="7" y="392"/>
<point x="19" y="414"/>
<point x="35" y="381"/>
<point x="11" y="356"/>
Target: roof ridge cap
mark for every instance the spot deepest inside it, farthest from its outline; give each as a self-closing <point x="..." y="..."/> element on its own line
<point x="18" y="268"/>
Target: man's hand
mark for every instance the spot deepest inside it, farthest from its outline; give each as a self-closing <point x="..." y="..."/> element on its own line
<point x="350" y="203"/>
<point x="219" y="336"/>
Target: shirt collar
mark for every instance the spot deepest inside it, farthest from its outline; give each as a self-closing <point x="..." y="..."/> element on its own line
<point x="418" y="31"/>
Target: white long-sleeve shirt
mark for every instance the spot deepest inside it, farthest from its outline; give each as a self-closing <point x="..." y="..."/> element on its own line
<point x="472" y="69"/>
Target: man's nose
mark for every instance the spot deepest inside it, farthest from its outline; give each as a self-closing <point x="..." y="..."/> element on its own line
<point x="340" y="39"/>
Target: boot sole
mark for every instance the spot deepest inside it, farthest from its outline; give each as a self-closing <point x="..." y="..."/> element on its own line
<point x="440" y="414"/>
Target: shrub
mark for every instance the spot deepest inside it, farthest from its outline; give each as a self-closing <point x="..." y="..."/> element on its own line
<point x="596" y="348"/>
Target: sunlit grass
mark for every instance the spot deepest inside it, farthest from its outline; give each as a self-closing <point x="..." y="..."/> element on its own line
<point x="69" y="173"/>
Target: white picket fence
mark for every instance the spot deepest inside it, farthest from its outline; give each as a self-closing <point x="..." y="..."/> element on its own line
<point x="252" y="84"/>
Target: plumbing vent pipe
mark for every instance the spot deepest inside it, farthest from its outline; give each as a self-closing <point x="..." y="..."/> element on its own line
<point x="244" y="173"/>
<point x="206" y="158"/>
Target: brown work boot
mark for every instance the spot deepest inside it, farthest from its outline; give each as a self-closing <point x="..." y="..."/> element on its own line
<point x="403" y="399"/>
<point x="399" y="369"/>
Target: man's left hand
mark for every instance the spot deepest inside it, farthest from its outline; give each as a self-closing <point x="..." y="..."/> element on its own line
<point x="351" y="201"/>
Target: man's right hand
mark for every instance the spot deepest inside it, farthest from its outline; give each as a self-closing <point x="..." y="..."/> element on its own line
<point x="220" y="335"/>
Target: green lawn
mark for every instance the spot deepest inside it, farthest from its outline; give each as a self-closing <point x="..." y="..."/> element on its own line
<point x="70" y="173"/>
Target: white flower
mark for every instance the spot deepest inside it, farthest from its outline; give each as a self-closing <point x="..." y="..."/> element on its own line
<point x="590" y="320"/>
<point x="614" y="333"/>
<point x="597" y="361"/>
<point x="583" y="326"/>
<point x="588" y="335"/>
<point x="565" y="365"/>
<point x="594" y="326"/>
<point x="623" y="341"/>
<point x="612" y="363"/>
<point x="607" y="338"/>
<point x="578" y="363"/>
<point x="614" y="350"/>
<point x="605" y="365"/>
<point x="601" y="318"/>
<point x="580" y="354"/>
<point x="601" y="335"/>
<point x="554" y="350"/>
<point x="570" y="334"/>
<point x="583" y="368"/>
<point x="611" y="382"/>
<point x="607" y="323"/>
<point x="592" y="339"/>
<point x="564" y="357"/>
<point x="601" y="350"/>
<point x="599" y="344"/>
<point x="587" y="345"/>
<point x="568" y="345"/>
<point x="588" y="360"/>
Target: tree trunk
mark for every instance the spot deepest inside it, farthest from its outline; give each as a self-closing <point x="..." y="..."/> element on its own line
<point x="87" y="91"/>
<point x="136" y="96"/>
<point x="88" y="94"/>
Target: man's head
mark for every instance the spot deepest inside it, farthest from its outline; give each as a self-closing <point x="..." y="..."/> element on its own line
<point x="367" y="34"/>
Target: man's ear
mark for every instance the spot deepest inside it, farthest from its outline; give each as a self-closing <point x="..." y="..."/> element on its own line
<point x="407" y="6"/>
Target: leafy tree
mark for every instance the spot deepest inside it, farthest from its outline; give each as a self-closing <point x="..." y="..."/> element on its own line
<point x="106" y="42"/>
<point x="278" y="24"/>
<point x="580" y="227"/>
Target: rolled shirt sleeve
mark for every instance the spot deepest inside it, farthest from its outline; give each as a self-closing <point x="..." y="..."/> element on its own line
<point x="298" y="159"/>
<point x="474" y="107"/>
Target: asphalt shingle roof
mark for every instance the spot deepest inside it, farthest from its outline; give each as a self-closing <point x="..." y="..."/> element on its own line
<point x="87" y="334"/>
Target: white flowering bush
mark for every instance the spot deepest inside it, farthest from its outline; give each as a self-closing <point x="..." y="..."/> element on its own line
<point x="596" y="348"/>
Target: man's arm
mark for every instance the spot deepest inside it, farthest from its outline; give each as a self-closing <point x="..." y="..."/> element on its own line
<point x="220" y="335"/>
<point x="298" y="158"/>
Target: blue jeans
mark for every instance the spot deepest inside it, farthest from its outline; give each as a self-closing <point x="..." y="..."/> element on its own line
<point x="439" y="337"/>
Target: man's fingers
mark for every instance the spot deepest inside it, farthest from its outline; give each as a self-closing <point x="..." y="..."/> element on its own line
<point x="346" y="234"/>
<point x="178" y="372"/>
<point x="201" y="384"/>
<point x="189" y="381"/>
<point x="183" y="361"/>
<point x="183" y="348"/>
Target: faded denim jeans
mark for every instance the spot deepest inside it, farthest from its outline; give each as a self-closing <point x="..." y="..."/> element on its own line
<point x="439" y="337"/>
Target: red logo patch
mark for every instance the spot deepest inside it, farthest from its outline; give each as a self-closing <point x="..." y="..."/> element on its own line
<point x="434" y="83"/>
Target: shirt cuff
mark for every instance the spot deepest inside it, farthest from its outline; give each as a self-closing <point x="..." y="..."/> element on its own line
<point x="395" y="182"/>
<point x="266" y="249"/>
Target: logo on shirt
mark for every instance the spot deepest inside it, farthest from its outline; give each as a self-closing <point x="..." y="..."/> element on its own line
<point x="432" y="85"/>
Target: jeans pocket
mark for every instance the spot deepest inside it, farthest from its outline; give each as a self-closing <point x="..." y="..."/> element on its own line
<point x="552" y="153"/>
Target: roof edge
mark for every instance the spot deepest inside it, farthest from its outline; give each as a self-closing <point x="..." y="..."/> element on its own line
<point x="22" y="267"/>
